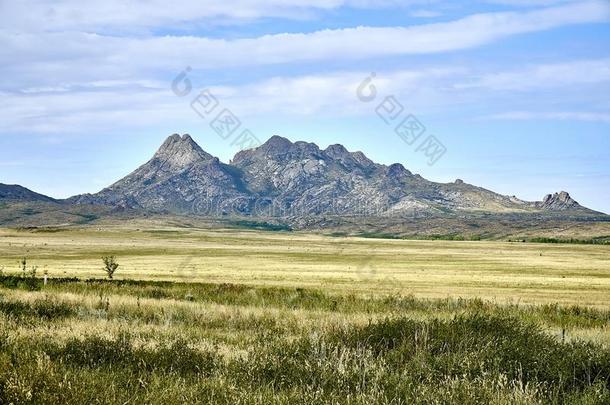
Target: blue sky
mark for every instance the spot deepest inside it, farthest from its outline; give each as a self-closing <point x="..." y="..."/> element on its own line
<point x="517" y="91"/>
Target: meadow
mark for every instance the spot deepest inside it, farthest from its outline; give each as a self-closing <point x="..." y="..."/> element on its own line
<point x="235" y="316"/>
<point x="503" y="272"/>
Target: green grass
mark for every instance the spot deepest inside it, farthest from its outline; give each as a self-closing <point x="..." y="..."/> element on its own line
<point x="76" y="341"/>
<point x="451" y="237"/>
<point x="261" y="226"/>
<point x="86" y="218"/>
<point x="573" y="316"/>
<point x="29" y="211"/>
<point x="604" y="240"/>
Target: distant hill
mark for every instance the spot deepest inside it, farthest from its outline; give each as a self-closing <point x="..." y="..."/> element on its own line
<point x="13" y="193"/>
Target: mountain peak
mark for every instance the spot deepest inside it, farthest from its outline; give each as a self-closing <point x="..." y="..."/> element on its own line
<point x="180" y="151"/>
<point x="175" y="140"/>
<point x="276" y="144"/>
<point x="336" y="151"/>
<point x="398" y="170"/>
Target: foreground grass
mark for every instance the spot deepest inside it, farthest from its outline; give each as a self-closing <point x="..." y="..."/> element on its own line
<point x="95" y="341"/>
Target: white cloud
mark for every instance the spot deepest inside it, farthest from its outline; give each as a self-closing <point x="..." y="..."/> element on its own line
<point x="43" y="59"/>
<point x="120" y="16"/>
<point x="422" y="13"/>
<point x="335" y="93"/>
<point x="123" y="104"/>
<point x="55" y="82"/>
<point x="124" y="16"/>
<point x="553" y="116"/>
<point x="107" y="107"/>
<point x="545" y="76"/>
<point x="528" y="3"/>
<point x="134" y="16"/>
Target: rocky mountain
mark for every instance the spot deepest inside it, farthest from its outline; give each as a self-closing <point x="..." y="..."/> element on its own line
<point x="14" y="193"/>
<point x="179" y="176"/>
<point x="285" y="179"/>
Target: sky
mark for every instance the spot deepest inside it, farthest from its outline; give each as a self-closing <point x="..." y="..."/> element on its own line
<point x="515" y="93"/>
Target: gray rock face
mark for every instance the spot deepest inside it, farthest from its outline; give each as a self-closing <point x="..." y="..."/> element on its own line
<point x="282" y="178"/>
<point x="558" y="202"/>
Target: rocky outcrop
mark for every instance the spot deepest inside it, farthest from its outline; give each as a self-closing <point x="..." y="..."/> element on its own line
<point x="558" y="202"/>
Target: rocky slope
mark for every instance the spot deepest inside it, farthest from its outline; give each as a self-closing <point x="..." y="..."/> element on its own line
<point x="282" y="178"/>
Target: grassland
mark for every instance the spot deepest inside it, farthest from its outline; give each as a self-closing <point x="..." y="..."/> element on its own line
<point x="528" y="273"/>
<point x="228" y="316"/>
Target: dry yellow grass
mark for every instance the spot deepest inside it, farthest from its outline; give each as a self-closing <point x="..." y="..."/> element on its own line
<point x="499" y="271"/>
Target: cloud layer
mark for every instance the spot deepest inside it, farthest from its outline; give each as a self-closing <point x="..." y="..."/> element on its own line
<point x="61" y="74"/>
<point x="45" y="58"/>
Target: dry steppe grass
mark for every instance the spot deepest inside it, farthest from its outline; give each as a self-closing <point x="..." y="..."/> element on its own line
<point x="500" y="271"/>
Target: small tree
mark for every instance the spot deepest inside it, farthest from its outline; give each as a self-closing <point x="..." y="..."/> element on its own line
<point x="110" y="265"/>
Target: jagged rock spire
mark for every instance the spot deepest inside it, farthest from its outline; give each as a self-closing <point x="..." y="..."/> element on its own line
<point x="558" y="201"/>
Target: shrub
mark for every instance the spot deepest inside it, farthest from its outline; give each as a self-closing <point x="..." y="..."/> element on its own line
<point x="110" y="265"/>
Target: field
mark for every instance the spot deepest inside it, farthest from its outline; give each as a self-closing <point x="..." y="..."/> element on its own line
<point x="500" y="271"/>
<point x="237" y="316"/>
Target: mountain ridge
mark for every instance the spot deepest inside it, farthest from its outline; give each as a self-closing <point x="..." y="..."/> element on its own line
<point x="285" y="178"/>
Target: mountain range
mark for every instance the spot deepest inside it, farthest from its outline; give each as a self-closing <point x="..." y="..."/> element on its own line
<point x="285" y="179"/>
